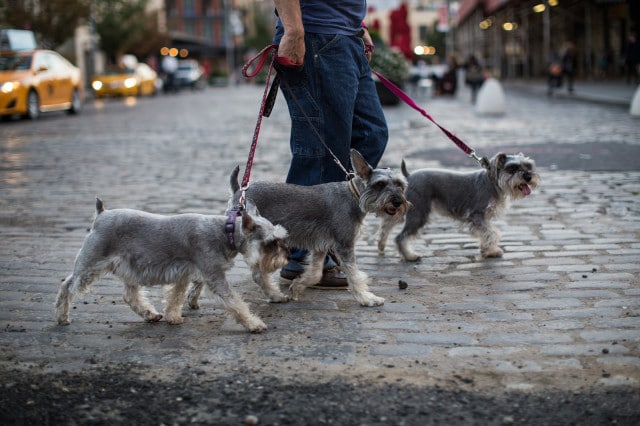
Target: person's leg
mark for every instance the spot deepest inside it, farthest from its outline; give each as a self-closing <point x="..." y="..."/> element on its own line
<point x="321" y="101"/>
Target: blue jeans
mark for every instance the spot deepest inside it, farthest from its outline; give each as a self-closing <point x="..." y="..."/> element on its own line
<point x="332" y="99"/>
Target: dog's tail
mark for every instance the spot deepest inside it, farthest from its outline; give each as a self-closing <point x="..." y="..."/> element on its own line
<point x="403" y="167"/>
<point x="99" y="206"/>
<point x="233" y="180"/>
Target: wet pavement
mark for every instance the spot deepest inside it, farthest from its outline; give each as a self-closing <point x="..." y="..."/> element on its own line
<point x="560" y="310"/>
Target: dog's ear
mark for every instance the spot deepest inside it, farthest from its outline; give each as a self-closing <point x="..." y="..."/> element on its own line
<point x="499" y="160"/>
<point x="360" y="165"/>
<point x="251" y="208"/>
<point x="248" y="224"/>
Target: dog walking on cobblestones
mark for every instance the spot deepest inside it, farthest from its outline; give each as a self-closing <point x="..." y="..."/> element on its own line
<point x="145" y="249"/>
<point x="327" y="217"/>
<point x="474" y="198"/>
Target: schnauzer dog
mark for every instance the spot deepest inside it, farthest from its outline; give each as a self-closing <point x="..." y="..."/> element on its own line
<point x="327" y="217"/>
<point x="474" y="198"/>
<point x="144" y="249"/>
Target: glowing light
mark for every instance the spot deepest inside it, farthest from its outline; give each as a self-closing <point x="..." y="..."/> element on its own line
<point x="486" y="24"/>
<point x="173" y="51"/>
<point x="539" y="8"/>
<point x="184" y="53"/>
<point x="164" y="51"/>
<point x="130" y="82"/>
<point x="97" y="85"/>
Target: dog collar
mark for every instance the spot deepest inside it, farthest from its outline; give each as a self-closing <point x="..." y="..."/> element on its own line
<point x="230" y="228"/>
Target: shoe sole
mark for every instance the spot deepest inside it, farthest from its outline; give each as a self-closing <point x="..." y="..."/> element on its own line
<point x="286" y="281"/>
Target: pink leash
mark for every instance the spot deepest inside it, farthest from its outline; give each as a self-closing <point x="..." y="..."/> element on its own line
<point x="407" y="99"/>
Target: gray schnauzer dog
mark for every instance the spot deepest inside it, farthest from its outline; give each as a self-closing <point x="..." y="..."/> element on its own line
<point x="474" y="198"/>
<point x="145" y="249"/>
<point x="327" y="217"/>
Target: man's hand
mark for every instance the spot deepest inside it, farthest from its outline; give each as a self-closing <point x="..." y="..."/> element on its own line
<point x="368" y="44"/>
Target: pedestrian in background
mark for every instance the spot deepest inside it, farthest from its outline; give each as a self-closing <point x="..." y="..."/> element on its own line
<point x="474" y="76"/>
<point x="569" y="63"/>
<point x="631" y="57"/>
<point x="331" y="98"/>
<point x="169" y="67"/>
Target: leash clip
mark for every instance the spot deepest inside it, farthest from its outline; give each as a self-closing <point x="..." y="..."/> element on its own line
<point x="483" y="161"/>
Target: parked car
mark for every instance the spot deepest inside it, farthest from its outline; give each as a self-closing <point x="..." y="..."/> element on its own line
<point x="38" y="81"/>
<point x="190" y="74"/>
<point x="141" y="80"/>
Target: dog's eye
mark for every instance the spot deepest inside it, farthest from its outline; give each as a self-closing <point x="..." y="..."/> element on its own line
<point x="379" y="186"/>
<point x="512" y="168"/>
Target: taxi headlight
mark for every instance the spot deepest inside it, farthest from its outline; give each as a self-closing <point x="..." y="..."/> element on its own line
<point x="97" y="85"/>
<point x="130" y="82"/>
<point x="9" y="86"/>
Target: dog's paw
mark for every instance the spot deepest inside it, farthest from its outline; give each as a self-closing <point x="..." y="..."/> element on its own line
<point x="63" y="321"/>
<point x="492" y="252"/>
<point x="257" y="326"/>
<point x="175" y="320"/>
<point x="279" y="298"/>
<point x="193" y="304"/>
<point x="411" y="258"/>
<point x="369" y="299"/>
<point x="152" y="316"/>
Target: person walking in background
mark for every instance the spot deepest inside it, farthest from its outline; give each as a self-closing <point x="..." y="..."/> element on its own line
<point x="631" y="57"/>
<point x="474" y="76"/>
<point x="331" y="98"/>
<point x="554" y="72"/>
<point x="169" y="67"/>
<point x="569" y="63"/>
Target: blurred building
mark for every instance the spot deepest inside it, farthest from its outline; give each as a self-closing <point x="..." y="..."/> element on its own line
<point x="518" y="38"/>
<point x="209" y="30"/>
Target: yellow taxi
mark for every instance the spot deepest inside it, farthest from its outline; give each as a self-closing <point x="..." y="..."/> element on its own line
<point x="38" y="81"/>
<point x="140" y="80"/>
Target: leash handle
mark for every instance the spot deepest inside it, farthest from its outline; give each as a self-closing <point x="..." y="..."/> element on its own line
<point x="407" y="99"/>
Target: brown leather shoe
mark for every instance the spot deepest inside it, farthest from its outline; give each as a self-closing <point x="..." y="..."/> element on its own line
<point x="332" y="279"/>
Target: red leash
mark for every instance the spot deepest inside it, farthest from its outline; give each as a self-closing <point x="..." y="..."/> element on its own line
<point x="407" y="99"/>
<point x="248" y="73"/>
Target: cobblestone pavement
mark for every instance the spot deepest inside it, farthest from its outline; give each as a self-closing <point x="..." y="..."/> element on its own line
<point x="560" y="310"/>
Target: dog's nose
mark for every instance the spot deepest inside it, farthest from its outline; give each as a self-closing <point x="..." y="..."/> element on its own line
<point x="527" y="177"/>
<point x="396" y="202"/>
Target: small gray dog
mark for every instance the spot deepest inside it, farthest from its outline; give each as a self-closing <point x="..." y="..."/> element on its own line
<point x="474" y="198"/>
<point x="327" y="217"/>
<point x="145" y="249"/>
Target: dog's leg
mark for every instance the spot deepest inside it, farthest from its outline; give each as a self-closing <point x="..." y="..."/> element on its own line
<point x="386" y="225"/>
<point x="139" y="303"/>
<point x="414" y="221"/>
<point x="263" y="279"/>
<point x="357" y="279"/>
<point x="175" y="297"/>
<point x="234" y="304"/>
<point x="78" y="282"/>
<point x="311" y="275"/>
<point x="489" y="237"/>
<point x="194" y="294"/>
<point x="63" y="301"/>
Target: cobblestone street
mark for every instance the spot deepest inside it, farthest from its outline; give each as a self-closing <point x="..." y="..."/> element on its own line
<point x="559" y="312"/>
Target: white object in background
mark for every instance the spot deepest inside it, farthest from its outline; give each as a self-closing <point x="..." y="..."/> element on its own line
<point x="490" y="98"/>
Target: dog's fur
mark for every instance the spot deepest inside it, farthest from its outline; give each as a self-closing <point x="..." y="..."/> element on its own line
<point x="145" y="249"/>
<point x="474" y="198"/>
<point x="327" y="217"/>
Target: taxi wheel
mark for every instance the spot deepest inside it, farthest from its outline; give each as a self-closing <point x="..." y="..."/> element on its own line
<point x="33" y="105"/>
<point x="76" y="103"/>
